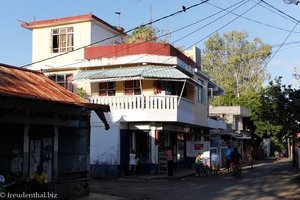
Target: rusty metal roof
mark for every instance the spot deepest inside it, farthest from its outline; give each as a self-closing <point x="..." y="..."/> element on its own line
<point x="28" y="84"/>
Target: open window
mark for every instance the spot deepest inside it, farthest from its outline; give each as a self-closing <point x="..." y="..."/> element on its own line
<point x="62" y="40"/>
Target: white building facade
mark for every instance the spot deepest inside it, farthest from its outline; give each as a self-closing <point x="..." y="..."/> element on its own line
<point x="158" y="96"/>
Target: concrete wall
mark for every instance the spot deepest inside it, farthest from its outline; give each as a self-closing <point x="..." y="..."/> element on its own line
<point x="85" y="33"/>
<point x="42" y="45"/>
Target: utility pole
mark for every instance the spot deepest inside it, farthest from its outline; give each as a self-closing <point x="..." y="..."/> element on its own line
<point x="119" y="18"/>
<point x="296" y="78"/>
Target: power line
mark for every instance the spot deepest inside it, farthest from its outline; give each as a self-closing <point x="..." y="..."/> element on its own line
<point x="222" y="9"/>
<point x="149" y="23"/>
<point x="221" y="27"/>
<point x="224" y="25"/>
<point x="252" y="20"/>
<point x="279" y="48"/>
<point x="179" y="29"/>
<point x="289" y="16"/>
<point x="194" y="31"/>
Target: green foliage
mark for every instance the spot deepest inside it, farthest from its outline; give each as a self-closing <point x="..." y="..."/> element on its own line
<point x="236" y="64"/>
<point x="277" y="112"/>
<point x="81" y="92"/>
<point x="143" y="34"/>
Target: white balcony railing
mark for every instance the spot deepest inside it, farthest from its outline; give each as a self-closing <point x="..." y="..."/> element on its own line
<point x="137" y="102"/>
<point x="149" y="108"/>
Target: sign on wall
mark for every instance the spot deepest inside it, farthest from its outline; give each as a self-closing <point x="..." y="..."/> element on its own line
<point x="195" y="147"/>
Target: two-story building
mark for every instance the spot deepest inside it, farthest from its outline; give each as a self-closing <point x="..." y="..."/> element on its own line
<point x="157" y="95"/>
<point x="237" y="133"/>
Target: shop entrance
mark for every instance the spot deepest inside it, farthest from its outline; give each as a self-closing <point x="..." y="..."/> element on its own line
<point x="142" y="143"/>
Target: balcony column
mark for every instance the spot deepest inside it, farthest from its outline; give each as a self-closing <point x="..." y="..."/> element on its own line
<point x="154" y="148"/>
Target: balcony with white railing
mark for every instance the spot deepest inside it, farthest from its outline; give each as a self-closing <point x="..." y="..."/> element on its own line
<point x="149" y="108"/>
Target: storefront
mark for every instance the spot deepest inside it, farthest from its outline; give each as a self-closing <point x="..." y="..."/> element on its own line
<point x="151" y="143"/>
<point x="41" y="123"/>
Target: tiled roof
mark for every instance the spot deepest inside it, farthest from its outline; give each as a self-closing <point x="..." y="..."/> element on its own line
<point x="139" y="72"/>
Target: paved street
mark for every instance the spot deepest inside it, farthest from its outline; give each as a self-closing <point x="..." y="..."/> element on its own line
<point x="268" y="180"/>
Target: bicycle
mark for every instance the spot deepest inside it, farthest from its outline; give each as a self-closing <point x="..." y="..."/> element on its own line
<point x="237" y="171"/>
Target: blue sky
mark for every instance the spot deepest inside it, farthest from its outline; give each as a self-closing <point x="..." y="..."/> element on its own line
<point x="16" y="41"/>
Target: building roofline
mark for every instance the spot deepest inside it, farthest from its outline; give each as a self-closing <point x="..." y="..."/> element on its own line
<point x="68" y="20"/>
<point x="19" y="68"/>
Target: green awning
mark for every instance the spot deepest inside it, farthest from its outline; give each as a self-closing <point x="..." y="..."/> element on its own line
<point x="133" y="73"/>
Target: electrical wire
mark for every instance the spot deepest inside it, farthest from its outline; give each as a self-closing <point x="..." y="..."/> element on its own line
<point x="252" y="20"/>
<point x="108" y="38"/>
<point x="163" y="35"/>
<point x="183" y="37"/>
<point x="278" y="48"/>
<point x="222" y="9"/>
<point x="278" y="10"/>
<point x="224" y="25"/>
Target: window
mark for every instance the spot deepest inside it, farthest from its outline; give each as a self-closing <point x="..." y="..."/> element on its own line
<point x="107" y="89"/>
<point x="201" y="92"/>
<point x="64" y="80"/>
<point x="237" y="124"/>
<point x="62" y="40"/>
<point x="132" y="87"/>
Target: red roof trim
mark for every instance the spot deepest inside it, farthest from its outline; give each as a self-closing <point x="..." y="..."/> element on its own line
<point x="78" y="18"/>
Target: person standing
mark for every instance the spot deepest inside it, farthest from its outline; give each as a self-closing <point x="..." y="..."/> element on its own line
<point x="250" y="156"/>
<point x="132" y="163"/>
<point x="169" y="158"/>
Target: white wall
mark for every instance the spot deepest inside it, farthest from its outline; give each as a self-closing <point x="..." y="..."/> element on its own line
<point x="85" y="33"/>
<point x="104" y="144"/>
<point x="42" y="45"/>
<point x="99" y="33"/>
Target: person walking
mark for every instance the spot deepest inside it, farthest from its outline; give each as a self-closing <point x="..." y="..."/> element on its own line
<point x="169" y="158"/>
<point x="228" y="157"/>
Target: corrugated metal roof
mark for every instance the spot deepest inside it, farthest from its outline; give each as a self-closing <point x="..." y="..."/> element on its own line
<point x="155" y="72"/>
<point x="28" y="84"/>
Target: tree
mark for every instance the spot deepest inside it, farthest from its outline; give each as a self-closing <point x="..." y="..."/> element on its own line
<point x="143" y="34"/>
<point x="236" y="64"/>
<point x="277" y="113"/>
